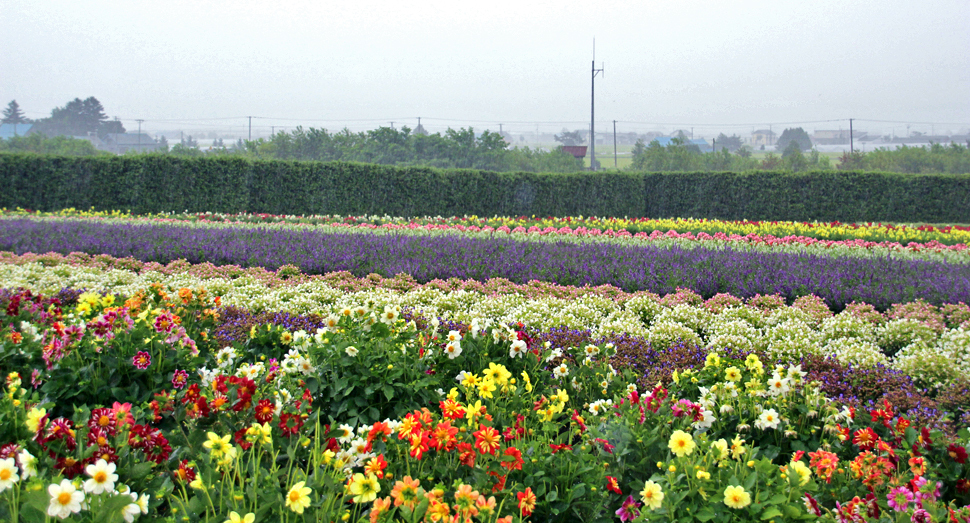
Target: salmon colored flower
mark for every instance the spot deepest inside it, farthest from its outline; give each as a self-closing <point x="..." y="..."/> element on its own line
<point x="406" y="492"/>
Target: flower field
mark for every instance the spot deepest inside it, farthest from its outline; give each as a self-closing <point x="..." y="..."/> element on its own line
<point x="158" y="369"/>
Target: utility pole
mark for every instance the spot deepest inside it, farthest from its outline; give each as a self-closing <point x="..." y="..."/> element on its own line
<point x="250" y="128"/>
<point x="272" y="130"/>
<point x="592" y="111"/>
<point x="392" y="125"/>
<point x="615" y="166"/>
<point x="851" y="144"/>
<point x="139" y="130"/>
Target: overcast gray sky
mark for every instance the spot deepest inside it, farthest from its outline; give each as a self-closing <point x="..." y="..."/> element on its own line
<point x="331" y="64"/>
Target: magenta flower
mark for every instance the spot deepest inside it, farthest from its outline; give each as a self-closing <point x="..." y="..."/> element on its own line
<point x="142" y="360"/>
<point x="900" y="498"/>
<point x="921" y="516"/>
<point x="179" y="379"/>
<point x="628" y="510"/>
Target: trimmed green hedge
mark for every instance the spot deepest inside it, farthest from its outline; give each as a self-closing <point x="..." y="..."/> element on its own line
<point x="155" y="183"/>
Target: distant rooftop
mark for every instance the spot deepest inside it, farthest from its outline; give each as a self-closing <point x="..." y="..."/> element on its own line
<point x="7" y="130"/>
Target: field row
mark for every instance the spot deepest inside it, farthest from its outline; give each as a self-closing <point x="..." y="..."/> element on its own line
<point x="659" y="268"/>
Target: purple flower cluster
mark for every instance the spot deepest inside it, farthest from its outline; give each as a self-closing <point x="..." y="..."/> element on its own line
<point x="837" y="280"/>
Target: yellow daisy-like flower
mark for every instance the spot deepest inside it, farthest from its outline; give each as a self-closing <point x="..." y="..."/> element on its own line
<point x="217" y="445"/>
<point x="528" y="382"/>
<point x="804" y="473"/>
<point x="298" y="498"/>
<point x="736" y="497"/>
<point x="257" y="433"/>
<point x="732" y="374"/>
<point x="364" y="488"/>
<point x="234" y="517"/>
<point x="470" y="381"/>
<point x="486" y="388"/>
<point x="33" y="418"/>
<point x="681" y="443"/>
<point x="651" y="495"/>
<point x="497" y="373"/>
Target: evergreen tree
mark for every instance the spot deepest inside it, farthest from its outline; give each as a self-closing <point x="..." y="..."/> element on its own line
<point x="13" y="115"/>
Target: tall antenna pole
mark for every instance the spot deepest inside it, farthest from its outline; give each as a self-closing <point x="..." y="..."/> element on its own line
<point x="250" y="128"/>
<point x="851" y="145"/>
<point x="615" y="166"/>
<point x="139" y="130"/>
<point x="592" y="112"/>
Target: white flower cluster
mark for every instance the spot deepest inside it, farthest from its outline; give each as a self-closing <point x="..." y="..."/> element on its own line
<point x="788" y="332"/>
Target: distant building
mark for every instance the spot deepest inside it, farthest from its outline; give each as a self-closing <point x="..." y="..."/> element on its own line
<point x="9" y="130"/>
<point x="578" y="151"/>
<point x="93" y="138"/>
<point x="764" y="137"/>
<point x="701" y="144"/>
<point x="121" y="143"/>
<point x="831" y="137"/>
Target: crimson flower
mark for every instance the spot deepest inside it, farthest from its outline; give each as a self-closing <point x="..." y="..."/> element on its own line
<point x="142" y="360"/>
<point x="179" y="379"/>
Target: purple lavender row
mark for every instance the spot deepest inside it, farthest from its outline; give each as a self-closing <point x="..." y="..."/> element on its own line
<point x="838" y="280"/>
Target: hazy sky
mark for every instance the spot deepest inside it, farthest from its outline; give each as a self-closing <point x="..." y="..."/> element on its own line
<point x="364" y="63"/>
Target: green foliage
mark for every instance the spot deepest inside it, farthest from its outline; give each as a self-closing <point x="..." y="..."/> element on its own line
<point x="460" y="149"/>
<point x="937" y="158"/>
<point x="798" y="136"/>
<point x="78" y="118"/>
<point x="232" y="183"/>
<point x="58" y="145"/>
<point x="13" y="115"/>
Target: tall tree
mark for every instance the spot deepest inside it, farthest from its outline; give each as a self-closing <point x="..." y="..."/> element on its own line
<point x="78" y="118"/>
<point x="797" y="135"/>
<point x="12" y="114"/>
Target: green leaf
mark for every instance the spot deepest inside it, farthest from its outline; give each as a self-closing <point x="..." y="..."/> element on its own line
<point x="388" y="392"/>
<point x="772" y="512"/>
<point x="140" y="470"/>
<point x="705" y="514"/>
<point x="553" y="495"/>
<point x="576" y="492"/>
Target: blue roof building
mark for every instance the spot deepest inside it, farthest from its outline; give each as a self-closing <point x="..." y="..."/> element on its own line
<point x="9" y="130"/>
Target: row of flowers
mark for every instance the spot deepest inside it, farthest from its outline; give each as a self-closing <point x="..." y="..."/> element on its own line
<point x="372" y="418"/>
<point x="931" y="344"/>
<point x="930" y="250"/>
<point x="835" y="231"/>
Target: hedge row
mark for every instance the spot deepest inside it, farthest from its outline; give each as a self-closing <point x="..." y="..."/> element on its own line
<point x="156" y="183"/>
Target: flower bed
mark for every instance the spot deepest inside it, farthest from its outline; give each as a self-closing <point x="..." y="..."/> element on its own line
<point x="835" y="231"/>
<point x="374" y="418"/>
<point x="878" y="280"/>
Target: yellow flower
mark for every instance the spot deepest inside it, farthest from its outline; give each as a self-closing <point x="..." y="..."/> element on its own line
<point x="736" y="497"/>
<point x="528" y="382"/>
<point x="364" y="488"/>
<point x="651" y="495"/>
<point x="486" y="388"/>
<point x="257" y="433"/>
<point x="732" y="374"/>
<point x="703" y="475"/>
<point x="217" y="445"/>
<point x="712" y="360"/>
<point x="234" y="517"/>
<point x="681" y="443"/>
<point x="804" y="473"/>
<point x="34" y="417"/>
<point x="470" y="381"/>
<point x="497" y="373"/>
<point x="298" y="498"/>
<point x="197" y="484"/>
<point x="737" y="447"/>
<point x="722" y="448"/>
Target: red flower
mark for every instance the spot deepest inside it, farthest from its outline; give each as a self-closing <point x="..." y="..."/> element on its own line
<point x="963" y="486"/>
<point x="179" y="379"/>
<point x="516" y="462"/>
<point x="487" y="440"/>
<point x="865" y="438"/>
<point x="606" y="445"/>
<point x="69" y="466"/>
<point x="142" y="360"/>
<point x="613" y="485"/>
<point x="290" y="424"/>
<point x="103" y="419"/>
<point x="499" y="481"/>
<point x="527" y="501"/>
<point x="420" y="443"/>
<point x="466" y="454"/>
<point x="556" y="448"/>
<point x="958" y="453"/>
<point x="185" y="473"/>
<point x="240" y="438"/>
<point x="265" y="410"/>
